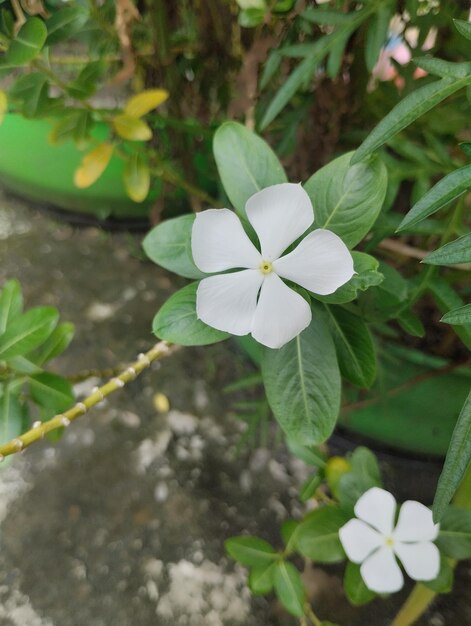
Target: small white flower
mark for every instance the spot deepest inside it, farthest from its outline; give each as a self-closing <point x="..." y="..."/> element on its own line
<point x="280" y="214"/>
<point x="374" y="541"/>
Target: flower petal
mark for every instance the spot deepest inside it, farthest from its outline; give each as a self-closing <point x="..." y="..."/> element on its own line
<point x="321" y="263"/>
<point x="381" y="573"/>
<point x="279" y="214"/>
<point x="421" y="560"/>
<point x="218" y="242"/>
<point x="415" y="523"/>
<point x="377" y="507"/>
<point x="359" y="540"/>
<point x="281" y="313"/>
<point x="228" y="301"/>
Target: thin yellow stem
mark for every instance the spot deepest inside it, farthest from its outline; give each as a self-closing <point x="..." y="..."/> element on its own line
<point x="159" y="351"/>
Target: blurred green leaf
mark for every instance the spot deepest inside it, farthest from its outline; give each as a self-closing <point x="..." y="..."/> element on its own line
<point x="11" y="303"/>
<point x="454" y="538"/>
<point x="85" y="84"/>
<point x="27" y="44"/>
<point x="464" y="28"/>
<point x="56" y="343"/>
<point x="261" y="579"/>
<point x="31" y="93"/>
<point x="27" y="332"/>
<point x="355" y="589"/>
<point x="65" y="23"/>
<point x="289" y="588"/>
<point x="377" y="34"/>
<point x="11" y="416"/>
<point x="250" y="551"/>
<point x="51" y="392"/>
<point x="317" y="538"/>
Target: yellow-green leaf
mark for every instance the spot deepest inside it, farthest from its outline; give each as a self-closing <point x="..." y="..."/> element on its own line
<point x="144" y="102"/>
<point x="131" y="128"/>
<point x="137" y="178"/>
<point x="3" y="105"/>
<point x="93" y="165"/>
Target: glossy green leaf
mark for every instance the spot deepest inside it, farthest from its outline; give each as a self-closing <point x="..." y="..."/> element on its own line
<point x="347" y="199"/>
<point x="355" y="589"/>
<point x="289" y="588"/>
<point x="366" y="275"/>
<point x="459" y="316"/>
<point x="407" y="111"/>
<point x="245" y="162"/>
<point x="446" y="190"/>
<point x="250" y="551"/>
<point x="464" y="28"/>
<point x="261" y="579"/>
<point x="27" y="44"/>
<point x="56" y="343"/>
<point x="51" y="392"/>
<point x="169" y="245"/>
<point x="446" y="298"/>
<point x="354" y="345"/>
<point x="65" y="23"/>
<point x="11" y="303"/>
<point x="11" y="416"/>
<point x="302" y="383"/>
<point x="317" y="538"/>
<point x="27" y="332"/>
<point x="458" y="251"/>
<point x="454" y="538"/>
<point x="176" y="321"/>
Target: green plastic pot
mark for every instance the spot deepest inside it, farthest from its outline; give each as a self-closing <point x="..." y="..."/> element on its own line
<point x="33" y="168"/>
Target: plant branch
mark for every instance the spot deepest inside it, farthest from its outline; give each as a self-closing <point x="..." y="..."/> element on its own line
<point x="159" y="351"/>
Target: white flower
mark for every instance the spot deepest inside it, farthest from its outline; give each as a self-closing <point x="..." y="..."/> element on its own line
<point x="279" y="215"/>
<point x="374" y="541"/>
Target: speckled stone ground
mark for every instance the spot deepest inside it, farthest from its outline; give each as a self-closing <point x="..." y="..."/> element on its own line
<point x="122" y="522"/>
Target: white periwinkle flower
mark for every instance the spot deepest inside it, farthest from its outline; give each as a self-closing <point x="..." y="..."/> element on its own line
<point x="280" y="214"/>
<point x="374" y="540"/>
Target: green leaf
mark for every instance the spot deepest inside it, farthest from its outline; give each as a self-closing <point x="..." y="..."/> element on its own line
<point x="411" y="324"/>
<point x="65" y="23"/>
<point x="309" y="454"/>
<point x="245" y="162"/>
<point x="355" y="589"/>
<point x="11" y="416"/>
<point x="454" y="538"/>
<point x="250" y="551"/>
<point x="31" y="93"/>
<point x="169" y="245"/>
<point x="56" y="343"/>
<point x="74" y="125"/>
<point x="176" y="321"/>
<point x="364" y="475"/>
<point x="51" y="392"/>
<point x="251" y="17"/>
<point x="388" y="299"/>
<point x="446" y="299"/>
<point x="289" y="588"/>
<point x="317" y="538"/>
<point x="377" y="35"/>
<point x="27" y="332"/>
<point x="355" y="348"/>
<point x="325" y="17"/>
<point x="457" y="460"/>
<point x="347" y="199"/>
<point x="464" y="28"/>
<point x="22" y="365"/>
<point x="444" y="581"/>
<point x="27" y="44"/>
<point x="366" y="276"/>
<point x="11" y="303"/>
<point x="458" y="251"/>
<point x="302" y="383"/>
<point x="446" y="190"/>
<point x="459" y="316"/>
<point x="309" y="487"/>
<point x="85" y="84"/>
<point x="443" y="69"/>
<point x="261" y="579"/>
<point x="407" y="111"/>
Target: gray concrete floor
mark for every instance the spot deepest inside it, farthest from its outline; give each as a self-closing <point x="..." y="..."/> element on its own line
<point x="122" y="522"/>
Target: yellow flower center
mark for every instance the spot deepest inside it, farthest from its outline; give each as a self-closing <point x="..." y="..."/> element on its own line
<point x="266" y="267"/>
<point x="389" y="541"/>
